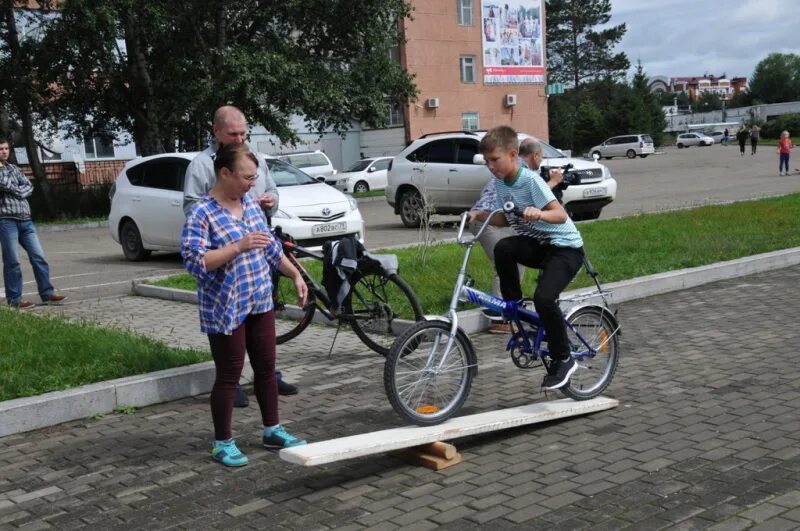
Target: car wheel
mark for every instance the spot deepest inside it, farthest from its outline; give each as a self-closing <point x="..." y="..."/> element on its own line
<point x="680" y="146"/>
<point x="360" y="187"/>
<point x="643" y="156"/>
<point x="131" y="242"/>
<point x="631" y="154"/>
<point x="411" y="206"/>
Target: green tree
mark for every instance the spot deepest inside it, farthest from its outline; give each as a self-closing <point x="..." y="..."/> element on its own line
<point x="159" y="68"/>
<point x="578" y="52"/>
<point x="776" y="78"/>
<point x="648" y="116"/>
<point x="20" y="109"/>
<point x="589" y="129"/>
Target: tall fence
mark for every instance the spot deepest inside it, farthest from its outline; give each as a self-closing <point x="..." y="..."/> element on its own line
<point x="74" y="191"/>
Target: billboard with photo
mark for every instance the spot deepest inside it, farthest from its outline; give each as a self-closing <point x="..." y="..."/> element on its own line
<point x="513" y="41"/>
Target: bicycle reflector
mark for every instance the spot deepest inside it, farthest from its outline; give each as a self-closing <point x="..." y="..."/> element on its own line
<point x="427" y="409"/>
<point x="603" y="340"/>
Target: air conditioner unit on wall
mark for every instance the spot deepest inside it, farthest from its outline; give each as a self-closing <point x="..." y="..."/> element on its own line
<point x="432" y="103"/>
<point x="511" y="100"/>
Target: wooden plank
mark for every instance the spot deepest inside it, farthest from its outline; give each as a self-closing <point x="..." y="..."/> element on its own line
<point x="378" y="442"/>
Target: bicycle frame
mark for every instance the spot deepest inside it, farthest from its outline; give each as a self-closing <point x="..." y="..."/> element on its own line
<point x="512" y="310"/>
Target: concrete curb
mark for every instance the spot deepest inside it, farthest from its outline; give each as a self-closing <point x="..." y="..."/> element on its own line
<point x="32" y="413"/>
<point x="64" y="227"/>
<point x="473" y="321"/>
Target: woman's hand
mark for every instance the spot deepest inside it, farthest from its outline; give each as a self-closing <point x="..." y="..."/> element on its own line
<point x="302" y="290"/>
<point x="254" y="240"/>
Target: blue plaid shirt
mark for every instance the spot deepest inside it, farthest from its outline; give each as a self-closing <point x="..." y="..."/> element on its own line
<point x="242" y="286"/>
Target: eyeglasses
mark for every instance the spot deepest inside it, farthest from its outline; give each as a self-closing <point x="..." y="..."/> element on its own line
<point x="248" y="178"/>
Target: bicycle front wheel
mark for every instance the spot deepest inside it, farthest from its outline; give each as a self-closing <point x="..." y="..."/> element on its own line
<point x="424" y="384"/>
<point x="379" y="308"/>
<point x="592" y="330"/>
<point x="290" y="319"/>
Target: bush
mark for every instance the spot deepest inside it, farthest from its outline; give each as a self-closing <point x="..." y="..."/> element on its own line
<point x="72" y="201"/>
<point x="785" y="122"/>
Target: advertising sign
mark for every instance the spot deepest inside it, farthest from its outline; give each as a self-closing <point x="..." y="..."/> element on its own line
<point x="513" y="50"/>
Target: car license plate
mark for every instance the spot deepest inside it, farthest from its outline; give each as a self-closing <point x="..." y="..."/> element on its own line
<point x="329" y="228"/>
<point x="594" y="192"/>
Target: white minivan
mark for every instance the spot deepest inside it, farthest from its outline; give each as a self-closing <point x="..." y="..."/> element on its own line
<point x="625" y="146"/>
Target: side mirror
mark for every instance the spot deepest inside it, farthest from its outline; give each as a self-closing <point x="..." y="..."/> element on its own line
<point x="320" y="178"/>
<point x="371" y="169"/>
<point x="478" y="159"/>
<point x="596" y="157"/>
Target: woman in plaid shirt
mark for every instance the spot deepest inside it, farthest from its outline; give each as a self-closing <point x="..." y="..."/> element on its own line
<point x="228" y="247"/>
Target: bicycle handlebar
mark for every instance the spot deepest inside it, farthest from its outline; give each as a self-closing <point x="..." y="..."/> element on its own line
<point x="508" y="208"/>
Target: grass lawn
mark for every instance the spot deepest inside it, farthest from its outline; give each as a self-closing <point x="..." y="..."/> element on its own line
<point x="39" y="354"/>
<point x="619" y="248"/>
<point x="42" y="354"/>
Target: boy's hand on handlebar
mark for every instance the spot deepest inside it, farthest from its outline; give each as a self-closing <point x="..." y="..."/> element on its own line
<point x="532" y="214"/>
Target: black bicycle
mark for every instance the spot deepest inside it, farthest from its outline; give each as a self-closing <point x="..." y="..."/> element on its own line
<point x="379" y="306"/>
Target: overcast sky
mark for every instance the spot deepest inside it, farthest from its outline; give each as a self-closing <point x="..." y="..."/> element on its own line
<point x="694" y="37"/>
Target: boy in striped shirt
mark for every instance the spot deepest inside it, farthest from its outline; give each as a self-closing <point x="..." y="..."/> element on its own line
<point x="546" y="239"/>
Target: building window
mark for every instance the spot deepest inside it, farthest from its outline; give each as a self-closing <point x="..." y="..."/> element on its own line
<point x="394" y="114"/>
<point x="464" y="8"/>
<point x="98" y="148"/>
<point x="467" y="68"/>
<point x="469" y="121"/>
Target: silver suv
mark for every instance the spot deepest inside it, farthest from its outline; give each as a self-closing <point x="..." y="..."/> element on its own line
<point x="314" y="163"/>
<point x="438" y="171"/>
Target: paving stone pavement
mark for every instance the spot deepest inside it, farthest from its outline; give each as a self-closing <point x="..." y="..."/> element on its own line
<point x="707" y="436"/>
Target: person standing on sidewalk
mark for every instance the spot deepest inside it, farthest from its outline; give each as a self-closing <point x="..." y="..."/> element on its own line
<point x="741" y="136"/>
<point x="229" y="126"/>
<point x="755" y="132"/>
<point x="785" y="146"/>
<point x="228" y="247"/>
<point x="16" y="228"/>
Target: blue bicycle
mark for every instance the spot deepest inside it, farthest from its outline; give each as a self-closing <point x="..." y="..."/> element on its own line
<point x="429" y="369"/>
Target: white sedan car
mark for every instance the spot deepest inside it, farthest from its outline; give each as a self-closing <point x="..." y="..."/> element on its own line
<point x="693" y="139"/>
<point x="147" y="206"/>
<point x="363" y="176"/>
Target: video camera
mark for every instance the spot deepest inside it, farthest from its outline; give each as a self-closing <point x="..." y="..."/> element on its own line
<point x="570" y="177"/>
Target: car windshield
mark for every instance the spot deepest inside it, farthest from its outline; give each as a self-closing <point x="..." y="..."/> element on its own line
<point x="361" y="165"/>
<point x="548" y="151"/>
<point x="287" y="175"/>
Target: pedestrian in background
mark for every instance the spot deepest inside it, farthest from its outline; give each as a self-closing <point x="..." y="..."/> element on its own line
<point x="16" y="228"/>
<point x="755" y="132"/>
<point x="725" y="137"/>
<point x="741" y="136"/>
<point x="228" y="247"/>
<point x="784" y="147"/>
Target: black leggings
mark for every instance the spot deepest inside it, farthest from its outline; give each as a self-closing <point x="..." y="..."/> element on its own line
<point x="559" y="266"/>
<point x="753" y="144"/>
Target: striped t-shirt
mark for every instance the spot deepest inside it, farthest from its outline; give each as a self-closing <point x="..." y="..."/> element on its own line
<point x="528" y="189"/>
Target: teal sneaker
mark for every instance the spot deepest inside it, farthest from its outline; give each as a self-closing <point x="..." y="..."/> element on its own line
<point x="227" y="453"/>
<point x="280" y="439"/>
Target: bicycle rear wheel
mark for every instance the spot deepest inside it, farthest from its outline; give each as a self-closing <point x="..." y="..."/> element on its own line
<point x="379" y="308"/>
<point x="593" y="329"/>
<point x="290" y="319"/>
<point x="419" y="389"/>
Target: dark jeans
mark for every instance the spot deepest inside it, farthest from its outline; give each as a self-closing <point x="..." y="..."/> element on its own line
<point x="559" y="266"/>
<point x="257" y="336"/>
<point x="15" y="233"/>
<point x="753" y="145"/>
<point x="742" y="143"/>
<point x="784" y="161"/>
